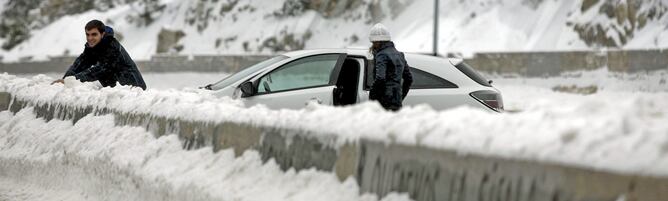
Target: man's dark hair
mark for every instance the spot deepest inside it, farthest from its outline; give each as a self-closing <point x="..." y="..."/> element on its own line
<point x="95" y="24"/>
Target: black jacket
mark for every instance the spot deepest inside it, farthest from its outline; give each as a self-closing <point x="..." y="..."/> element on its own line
<point x="107" y="62"/>
<point x="392" y="77"/>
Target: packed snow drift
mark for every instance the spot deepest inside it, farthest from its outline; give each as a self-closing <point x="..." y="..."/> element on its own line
<point x="620" y="131"/>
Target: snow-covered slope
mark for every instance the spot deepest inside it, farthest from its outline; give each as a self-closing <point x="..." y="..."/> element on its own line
<point x="254" y="26"/>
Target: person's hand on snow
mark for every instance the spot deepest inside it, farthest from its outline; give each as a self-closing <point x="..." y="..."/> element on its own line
<point x="61" y="81"/>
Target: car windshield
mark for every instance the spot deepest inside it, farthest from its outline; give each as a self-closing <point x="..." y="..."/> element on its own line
<point x="247" y="71"/>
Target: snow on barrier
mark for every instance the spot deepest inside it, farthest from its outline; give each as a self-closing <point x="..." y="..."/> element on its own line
<point x="380" y="160"/>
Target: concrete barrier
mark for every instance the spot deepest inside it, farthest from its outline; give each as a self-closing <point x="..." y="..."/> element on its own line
<point x="157" y="63"/>
<point x="424" y="173"/>
<point x="536" y="64"/>
<point x="428" y="174"/>
<point x="529" y="64"/>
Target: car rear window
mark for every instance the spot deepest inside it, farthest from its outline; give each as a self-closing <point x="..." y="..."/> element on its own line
<point x="471" y="73"/>
<point x="425" y="80"/>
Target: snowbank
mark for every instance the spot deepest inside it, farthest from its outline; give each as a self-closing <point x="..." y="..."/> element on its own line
<point x="520" y="93"/>
<point x="620" y="132"/>
<point x="19" y="190"/>
<point x="150" y="163"/>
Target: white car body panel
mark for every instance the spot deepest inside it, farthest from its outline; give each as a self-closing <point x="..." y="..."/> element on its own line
<point x="293" y="99"/>
<point x="437" y="98"/>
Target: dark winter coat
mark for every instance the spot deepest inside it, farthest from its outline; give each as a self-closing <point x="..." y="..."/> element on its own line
<point x="107" y="62"/>
<point x="392" y="77"/>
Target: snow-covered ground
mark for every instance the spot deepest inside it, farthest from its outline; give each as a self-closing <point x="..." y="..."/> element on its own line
<point x="56" y="160"/>
<point x="577" y="128"/>
<point x="15" y="190"/>
<point x="95" y="160"/>
<point x="619" y="128"/>
<point x="519" y="93"/>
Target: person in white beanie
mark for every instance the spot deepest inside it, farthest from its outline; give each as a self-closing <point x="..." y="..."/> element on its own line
<point x="392" y="76"/>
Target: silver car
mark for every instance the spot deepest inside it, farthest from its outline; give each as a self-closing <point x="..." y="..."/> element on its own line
<point x="344" y="77"/>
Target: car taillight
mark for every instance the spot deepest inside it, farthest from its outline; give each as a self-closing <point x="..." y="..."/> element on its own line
<point x="491" y="99"/>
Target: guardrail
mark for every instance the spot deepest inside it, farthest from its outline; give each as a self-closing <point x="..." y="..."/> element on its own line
<point x="534" y="64"/>
<point x="529" y="64"/>
<point x="157" y="63"/>
<point x="424" y="173"/>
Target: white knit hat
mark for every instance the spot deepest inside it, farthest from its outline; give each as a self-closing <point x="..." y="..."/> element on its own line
<point x="379" y="33"/>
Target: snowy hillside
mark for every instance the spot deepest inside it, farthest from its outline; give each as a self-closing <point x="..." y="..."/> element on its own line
<point x="40" y="28"/>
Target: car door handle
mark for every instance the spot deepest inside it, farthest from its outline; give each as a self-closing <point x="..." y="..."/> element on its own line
<point x="317" y="100"/>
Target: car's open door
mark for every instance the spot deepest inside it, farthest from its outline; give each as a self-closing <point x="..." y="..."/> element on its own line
<point x="296" y="83"/>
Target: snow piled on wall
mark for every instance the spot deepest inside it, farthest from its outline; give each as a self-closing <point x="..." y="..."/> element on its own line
<point x="614" y="131"/>
<point x="100" y="161"/>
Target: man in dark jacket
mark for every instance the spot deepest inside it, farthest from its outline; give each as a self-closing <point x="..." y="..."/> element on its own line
<point x="104" y="59"/>
<point x="392" y="76"/>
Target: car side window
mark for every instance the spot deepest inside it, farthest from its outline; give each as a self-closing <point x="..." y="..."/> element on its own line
<point x="425" y="80"/>
<point x="307" y="72"/>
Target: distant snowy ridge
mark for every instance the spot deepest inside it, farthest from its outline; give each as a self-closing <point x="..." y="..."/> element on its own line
<point x="594" y="133"/>
<point x="40" y="28"/>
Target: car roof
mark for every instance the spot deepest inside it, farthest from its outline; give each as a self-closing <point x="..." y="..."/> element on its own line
<point x="301" y="53"/>
<point x="365" y="53"/>
<point x="443" y="67"/>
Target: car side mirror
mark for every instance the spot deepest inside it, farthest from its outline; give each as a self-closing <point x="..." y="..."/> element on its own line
<point x="207" y="87"/>
<point x="247" y="89"/>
